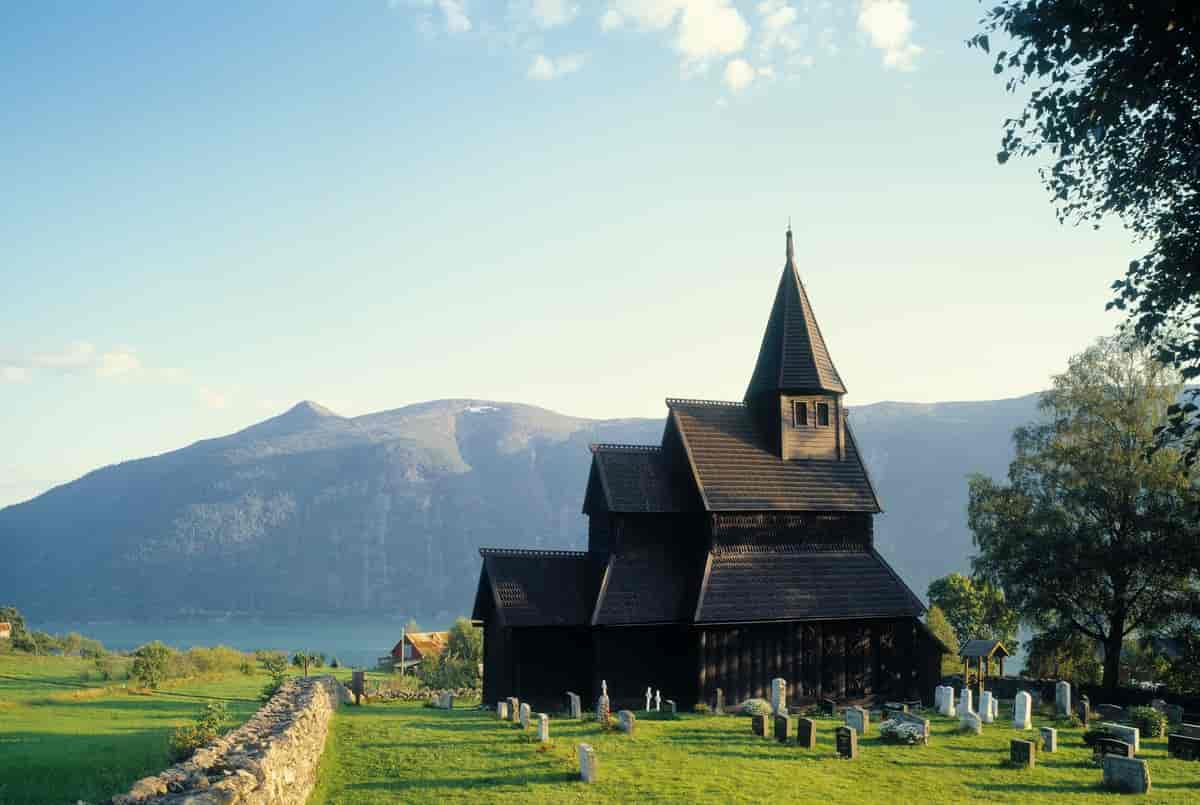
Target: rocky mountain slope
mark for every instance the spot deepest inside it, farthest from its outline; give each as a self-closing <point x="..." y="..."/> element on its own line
<point x="310" y="512"/>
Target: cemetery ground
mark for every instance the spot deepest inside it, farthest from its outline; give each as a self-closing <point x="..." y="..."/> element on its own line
<point x="402" y="752"/>
<point x="66" y="735"/>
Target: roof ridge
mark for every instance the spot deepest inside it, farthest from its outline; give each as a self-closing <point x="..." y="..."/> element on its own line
<point x="712" y="403"/>
<point x="792" y="547"/>
<point x="596" y="447"/>
<point x="530" y="552"/>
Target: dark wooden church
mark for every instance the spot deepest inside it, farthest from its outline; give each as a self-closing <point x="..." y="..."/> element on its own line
<point x="739" y="550"/>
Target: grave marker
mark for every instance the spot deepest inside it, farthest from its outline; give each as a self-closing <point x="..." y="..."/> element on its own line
<point x="525" y="714"/>
<point x="987" y="707"/>
<point x="1125" y="774"/>
<point x="947" y="707"/>
<point x="970" y="722"/>
<point x="806" y="733"/>
<point x="966" y="703"/>
<point x="779" y="696"/>
<point x="627" y="720"/>
<point x="1130" y="735"/>
<point x="923" y="723"/>
<point x="1023" y="754"/>
<point x="720" y="701"/>
<point x="543" y="728"/>
<point x="1022" y="707"/>
<point x="1049" y="739"/>
<point x="514" y="709"/>
<point x="758" y="723"/>
<point x="783" y="728"/>
<point x="828" y="707"/>
<point x="1110" y="711"/>
<point x="1062" y="698"/>
<point x="1174" y="713"/>
<point x="1183" y="747"/>
<point x="847" y="743"/>
<point x="672" y="709"/>
<point x="502" y="711"/>
<point x="587" y="762"/>
<point x="1113" y="746"/>
<point x="574" y="706"/>
<point x="858" y="718"/>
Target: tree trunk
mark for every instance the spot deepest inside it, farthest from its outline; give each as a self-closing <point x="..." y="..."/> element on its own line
<point x="1112" y="659"/>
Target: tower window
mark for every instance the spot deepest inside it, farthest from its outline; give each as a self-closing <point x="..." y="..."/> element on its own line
<point x="799" y="414"/>
<point x="823" y="414"/>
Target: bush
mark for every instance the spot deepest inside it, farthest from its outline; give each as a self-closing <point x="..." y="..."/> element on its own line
<point x="207" y="729"/>
<point x="105" y="666"/>
<point x="755" y="707"/>
<point x="150" y="664"/>
<point x="276" y="665"/>
<point x="1150" y="722"/>
<point x="1091" y="736"/>
<point x="701" y="708"/>
<point x="901" y="732"/>
<point x="215" y="660"/>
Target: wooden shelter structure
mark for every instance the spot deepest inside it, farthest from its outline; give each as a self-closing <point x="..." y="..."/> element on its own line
<point x="981" y="652"/>
<point x="739" y="549"/>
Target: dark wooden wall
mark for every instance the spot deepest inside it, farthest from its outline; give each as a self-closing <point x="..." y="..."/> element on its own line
<point x="630" y="658"/>
<point x="497" y="662"/>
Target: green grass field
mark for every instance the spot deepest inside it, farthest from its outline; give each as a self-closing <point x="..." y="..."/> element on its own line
<point x="386" y="753"/>
<point x="64" y="738"/>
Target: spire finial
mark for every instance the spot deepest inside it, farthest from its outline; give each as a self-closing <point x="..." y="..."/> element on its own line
<point x="790" y="252"/>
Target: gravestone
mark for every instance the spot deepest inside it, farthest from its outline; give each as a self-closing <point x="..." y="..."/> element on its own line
<point x="602" y="708"/>
<point x="574" y="706"/>
<point x="1130" y="735"/>
<point x="1174" y="713"/>
<point x="1084" y="711"/>
<point x="502" y="710"/>
<point x="806" y="733"/>
<point x="587" y="762"/>
<point x="1183" y="747"/>
<point x="1111" y="712"/>
<point x="649" y="698"/>
<point x="783" y="728"/>
<point x="525" y="714"/>
<point x="720" y="701"/>
<point x="948" y="705"/>
<point x="449" y="701"/>
<point x="627" y="720"/>
<point x="1125" y="774"/>
<point x="1190" y="730"/>
<point x="858" y="718"/>
<point x="1049" y="739"/>
<point x="970" y="722"/>
<point x="908" y="718"/>
<point x="543" y="721"/>
<point x="779" y="696"/>
<point x="658" y="701"/>
<point x="514" y="709"/>
<point x="987" y="707"/>
<point x="847" y="742"/>
<point x="966" y="703"/>
<point x="1023" y="754"/>
<point x="358" y="685"/>
<point x="759" y="726"/>
<point x="1022" y="711"/>
<point x="828" y="707"/>
<point x="1062" y="698"/>
<point x="672" y="709"/>
<point x="1113" y="746"/>
<point x="995" y="708"/>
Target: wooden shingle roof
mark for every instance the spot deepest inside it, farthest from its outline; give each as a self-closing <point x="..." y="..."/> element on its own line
<point x="751" y="583"/>
<point x="736" y="470"/>
<point x="974" y="649"/>
<point x="651" y="584"/>
<point x="635" y="478"/>
<point x="793" y="355"/>
<point x="538" y="588"/>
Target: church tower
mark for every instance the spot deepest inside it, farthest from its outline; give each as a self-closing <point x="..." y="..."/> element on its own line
<point x="796" y="391"/>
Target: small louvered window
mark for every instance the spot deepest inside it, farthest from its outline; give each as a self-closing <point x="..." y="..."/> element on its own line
<point x="823" y="414"/>
<point x="799" y="414"/>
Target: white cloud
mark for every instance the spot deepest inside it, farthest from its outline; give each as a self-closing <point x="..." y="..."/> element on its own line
<point x="545" y="68"/>
<point x="14" y="374"/>
<point x="780" y="30"/>
<point x="702" y="29"/>
<point x="120" y="362"/>
<point x="552" y="13"/>
<point x="889" y="26"/>
<point x="738" y="74"/>
<point x="453" y="14"/>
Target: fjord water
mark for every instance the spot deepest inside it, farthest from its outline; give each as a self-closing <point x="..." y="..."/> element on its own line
<point x="356" y="641"/>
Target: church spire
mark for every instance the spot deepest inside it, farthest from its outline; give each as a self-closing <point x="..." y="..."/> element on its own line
<point x="793" y="356"/>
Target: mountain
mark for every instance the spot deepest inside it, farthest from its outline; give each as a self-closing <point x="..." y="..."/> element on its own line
<point x="309" y="512"/>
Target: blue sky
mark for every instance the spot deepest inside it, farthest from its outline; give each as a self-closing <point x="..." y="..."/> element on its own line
<point x="213" y="210"/>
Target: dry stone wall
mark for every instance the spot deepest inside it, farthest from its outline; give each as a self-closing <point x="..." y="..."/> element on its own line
<point x="270" y="760"/>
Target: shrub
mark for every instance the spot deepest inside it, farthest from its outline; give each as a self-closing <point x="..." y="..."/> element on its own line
<point x="701" y="708"/>
<point x="150" y="664"/>
<point x="755" y="707"/>
<point x="902" y="732"/>
<point x="1150" y="722"/>
<point x="105" y="666"/>
<point x="186" y="740"/>
<point x="276" y="665"/>
<point x="402" y="682"/>
<point x="218" y="659"/>
<point x="1069" y="720"/>
<point x="246" y="667"/>
<point x="1096" y="733"/>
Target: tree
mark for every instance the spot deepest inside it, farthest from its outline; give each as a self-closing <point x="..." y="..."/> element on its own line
<point x="12" y="616"/>
<point x="1114" y="88"/>
<point x="1096" y="532"/>
<point x="975" y="609"/>
<point x="150" y="664"/>
<point x="935" y="619"/>
<point x="1070" y="656"/>
<point x="458" y="664"/>
<point x="465" y="641"/>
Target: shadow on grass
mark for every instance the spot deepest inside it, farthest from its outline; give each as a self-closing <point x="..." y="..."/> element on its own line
<point x="449" y="783"/>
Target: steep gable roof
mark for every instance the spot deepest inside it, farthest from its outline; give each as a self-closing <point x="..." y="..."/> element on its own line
<point x="793" y="355"/>
<point x="537" y="588"/>
<point x="737" y="471"/>
<point x="633" y="478"/>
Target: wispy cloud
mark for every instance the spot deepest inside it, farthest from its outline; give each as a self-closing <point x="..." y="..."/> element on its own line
<point x="701" y="30"/>
<point x="545" y="68"/>
<point x="448" y="15"/>
<point x="888" y="25"/>
<point x="545" y="14"/>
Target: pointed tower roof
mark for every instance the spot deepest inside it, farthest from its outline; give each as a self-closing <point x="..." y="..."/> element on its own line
<point x="793" y="355"/>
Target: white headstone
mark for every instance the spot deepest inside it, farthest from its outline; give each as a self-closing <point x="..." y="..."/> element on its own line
<point x="965" y="704"/>
<point x="947" y="708"/>
<point x="649" y="696"/>
<point x="524" y="715"/>
<point x="995" y="708"/>
<point x="587" y="762"/>
<point x="1023" y="711"/>
<point x="502" y="711"/>
<point x="779" y="696"/>
<point x="543" y="727"/>
<point x="658" y="701"/>
<point x="987" y="707"/>
<point x="1049" y="739"/>
<point x="627" y="721"/>
<point x="969" y="722"/>
<point x="1130" y="735"/>
<point x="574" y="705"/>
<point x="1062" y="698"/>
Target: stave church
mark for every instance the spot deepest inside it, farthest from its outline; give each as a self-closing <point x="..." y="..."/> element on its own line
<point x="737" y="550"/>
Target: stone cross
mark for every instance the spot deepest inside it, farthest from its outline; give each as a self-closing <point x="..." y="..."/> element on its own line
<point x="1022" y="707"/>
<point x="965" y="705"/>
<point x="1049" y="739"/>
<point x="970" y="722"/>
<point x="658" y="701"/>
<point x="1062" y="698"/>
<point x="587" y="762"/>
<point x="779" y="696"/>
<point x="627" y="720"/>
<point x="1126" y="774"/>
<point x="543" y="728"/>
<point x="1022" y="753"/>
<point x="574" y="705"/>
<point x="847" y="742"/>
<point x="858" y="718"/>
<point x="987" y="705"/>
<point x="649" y="696"/>
<point x="525" y="715"/>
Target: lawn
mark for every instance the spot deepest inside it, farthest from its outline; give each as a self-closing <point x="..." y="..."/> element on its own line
<point x="65" y="735"/>
<point x="385" y="753"/>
